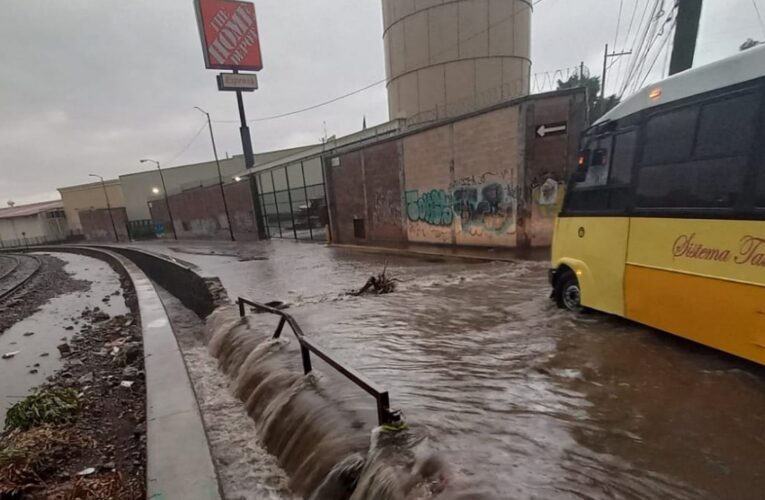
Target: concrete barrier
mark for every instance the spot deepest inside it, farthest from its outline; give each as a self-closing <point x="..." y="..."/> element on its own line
<point x="179" y="463"/>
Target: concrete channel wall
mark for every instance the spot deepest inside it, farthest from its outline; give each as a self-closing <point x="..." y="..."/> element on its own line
<point x="179" y="462"/>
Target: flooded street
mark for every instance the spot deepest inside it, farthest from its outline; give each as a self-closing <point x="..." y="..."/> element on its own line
<point x="35" y="338"/>
<point x="517" y="395"/>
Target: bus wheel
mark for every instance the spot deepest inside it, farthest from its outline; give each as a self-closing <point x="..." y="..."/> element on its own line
<point x="568" y="295"/>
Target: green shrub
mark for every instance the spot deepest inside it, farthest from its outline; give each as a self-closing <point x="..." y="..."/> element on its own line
<point x="48" y="406"/>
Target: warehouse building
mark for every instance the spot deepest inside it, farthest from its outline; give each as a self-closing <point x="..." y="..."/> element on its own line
<point x="33" y="224"/>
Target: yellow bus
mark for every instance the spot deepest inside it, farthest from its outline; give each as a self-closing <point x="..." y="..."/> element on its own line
<point x="664" y="219"/>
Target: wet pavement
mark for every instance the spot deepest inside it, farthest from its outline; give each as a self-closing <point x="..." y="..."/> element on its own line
<point x="531" y="401"/>
<point x="38" y="352"/>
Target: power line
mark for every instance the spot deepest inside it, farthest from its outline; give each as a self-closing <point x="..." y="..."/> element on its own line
<point x="379" y="82"/>
<point x="639" y="54"/>
<point x="658" y="53"/>
<point x="757" y="9"/>
<point x="618" y="22"/>
<point x="655" y="36"/>
<point x="187" y="146"/>
<point x="633" y="47"/>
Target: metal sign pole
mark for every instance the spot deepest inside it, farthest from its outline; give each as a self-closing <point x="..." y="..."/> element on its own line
<point x="249" y="163"/>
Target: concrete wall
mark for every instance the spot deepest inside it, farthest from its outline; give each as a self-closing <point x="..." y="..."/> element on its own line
<point x="367" y="187"/>
<point x="97" y="224"/>
<point x="88" y="197"/>
<point x="199" y="213"/>
<point x="447" y="57"/>
<point x="485" y="179"/>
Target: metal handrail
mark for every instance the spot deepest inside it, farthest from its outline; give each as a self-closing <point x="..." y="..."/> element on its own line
<point x="307" y="346"/>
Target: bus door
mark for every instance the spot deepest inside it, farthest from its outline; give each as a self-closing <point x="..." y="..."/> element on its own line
<point x="593" y="230"/>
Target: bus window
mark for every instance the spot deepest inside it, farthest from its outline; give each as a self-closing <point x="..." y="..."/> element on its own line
<point x="727" y="127"/>
<point x="597" y="171"/>
<point x="669" y="136"/>
<point x="623" y="158"/>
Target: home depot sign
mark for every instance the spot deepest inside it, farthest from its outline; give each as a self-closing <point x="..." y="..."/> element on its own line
<point x="229" y="34"/>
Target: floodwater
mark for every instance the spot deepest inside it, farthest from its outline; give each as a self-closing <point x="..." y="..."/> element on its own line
<point x="38" y="351"/>
<point x="518" y="396"/>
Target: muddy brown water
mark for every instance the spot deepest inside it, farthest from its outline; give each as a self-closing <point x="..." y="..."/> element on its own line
<point x="516" y="395"/>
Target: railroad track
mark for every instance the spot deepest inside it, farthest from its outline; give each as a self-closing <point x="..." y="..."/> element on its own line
<point x="23" y="269"/>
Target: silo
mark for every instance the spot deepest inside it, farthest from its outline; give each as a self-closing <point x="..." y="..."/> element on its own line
<point x="447" y="57"/>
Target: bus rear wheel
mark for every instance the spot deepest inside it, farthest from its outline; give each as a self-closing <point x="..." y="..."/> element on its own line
<point x="568" y="295"/>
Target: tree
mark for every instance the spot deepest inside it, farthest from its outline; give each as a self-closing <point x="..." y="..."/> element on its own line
<point x="592" y="84"/>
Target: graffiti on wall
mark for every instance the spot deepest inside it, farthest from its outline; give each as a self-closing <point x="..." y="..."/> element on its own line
<point x="490" y="207"/>
<point x="433" y="207"/>
<point x="548" y="197"/>
<point x="478" y="206"/>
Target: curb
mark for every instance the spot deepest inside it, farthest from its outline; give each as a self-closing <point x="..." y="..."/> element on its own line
<point x="421" y="253"/>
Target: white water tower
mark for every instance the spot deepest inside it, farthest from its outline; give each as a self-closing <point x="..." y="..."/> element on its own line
<point x="447" y="57"/>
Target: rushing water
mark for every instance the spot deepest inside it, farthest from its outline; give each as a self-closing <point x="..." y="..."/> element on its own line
<point x="510" y="392"/>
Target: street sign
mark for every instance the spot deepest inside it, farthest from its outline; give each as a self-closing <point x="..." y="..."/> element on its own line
<point x="229" y="35"/>
<point x="549" y="129"/>
<point x="243" y="82"/>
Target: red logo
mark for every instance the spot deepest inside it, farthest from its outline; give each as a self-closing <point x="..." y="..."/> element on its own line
<point x="229" y="35"/>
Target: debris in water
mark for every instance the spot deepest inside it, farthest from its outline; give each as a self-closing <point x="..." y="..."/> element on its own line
<point x="127" y="384"/>
<point x="87" y="472"/>
<point x="9" y="355"/>
<point x="44" y="355"/>
<point x="33" y="371"/>
<point x="379" y="284"/>
<point x="29" y="334"/>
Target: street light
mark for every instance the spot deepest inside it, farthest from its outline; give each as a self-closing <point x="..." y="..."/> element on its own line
<point x="108" y="206"/>
<point x="220" y="175"/>
<point x="164" y="188"/>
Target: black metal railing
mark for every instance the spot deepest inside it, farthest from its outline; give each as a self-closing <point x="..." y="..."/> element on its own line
<point x="307" y="346"/>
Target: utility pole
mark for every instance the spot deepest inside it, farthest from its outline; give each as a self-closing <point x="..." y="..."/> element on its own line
<point x="606" y="57"/>
<point x="108" y="206"/>
<point x="167" y="200"/>
<point x="686" y="33"/>
<point x="220" y="175"/>
<point x="249" y="163"/>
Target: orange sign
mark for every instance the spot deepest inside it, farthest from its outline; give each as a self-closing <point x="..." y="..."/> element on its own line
<point x="229" y="34"/>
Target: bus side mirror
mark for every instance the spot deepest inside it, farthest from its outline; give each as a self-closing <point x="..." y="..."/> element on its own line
<point x="580" y="174"/>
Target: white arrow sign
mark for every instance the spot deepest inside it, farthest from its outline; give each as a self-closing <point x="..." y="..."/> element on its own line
<point x="544" y="130"/>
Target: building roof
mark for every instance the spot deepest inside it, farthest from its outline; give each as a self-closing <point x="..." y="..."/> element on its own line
<point x="89" y="185"/>
<point x="31" y="209"/>
<point x="743" y="67"/>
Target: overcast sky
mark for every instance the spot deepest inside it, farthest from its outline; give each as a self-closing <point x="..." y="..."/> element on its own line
<point x="92" y="86"/>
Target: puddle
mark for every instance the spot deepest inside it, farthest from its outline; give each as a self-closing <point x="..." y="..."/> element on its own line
<point x="48" y="325"/>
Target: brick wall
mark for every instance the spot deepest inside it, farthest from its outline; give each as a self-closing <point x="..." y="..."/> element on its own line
<point x="97" y="225"/>
<point x="199" y="213"/>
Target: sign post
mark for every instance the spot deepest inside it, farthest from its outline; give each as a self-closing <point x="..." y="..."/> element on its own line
<point x="230" y="41"/>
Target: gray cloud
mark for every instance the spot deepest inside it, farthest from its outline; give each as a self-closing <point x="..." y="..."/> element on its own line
<point x="94" y="85"/>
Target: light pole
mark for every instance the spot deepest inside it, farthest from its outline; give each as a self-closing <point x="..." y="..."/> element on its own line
<point x="220" y="175"/>
<point x="108" y="206"/>
<point x="164" y="188"/>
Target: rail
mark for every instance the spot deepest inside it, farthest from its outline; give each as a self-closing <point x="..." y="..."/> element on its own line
<point x="384" y="413"/>
<point x="14" y="288"/>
